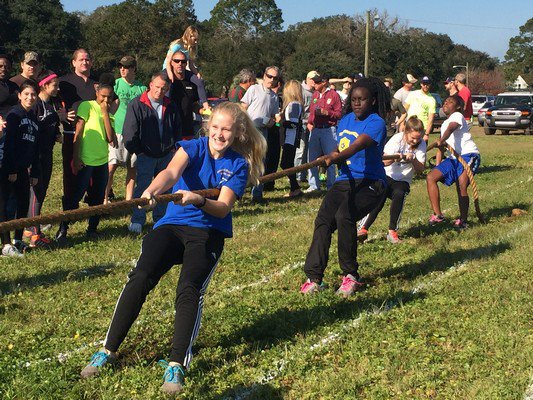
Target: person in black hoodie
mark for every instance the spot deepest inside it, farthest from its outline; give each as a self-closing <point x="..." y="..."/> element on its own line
<point x="152" y="127"/>
<point x="21" y="153"/>
<point x="46" y="109"/>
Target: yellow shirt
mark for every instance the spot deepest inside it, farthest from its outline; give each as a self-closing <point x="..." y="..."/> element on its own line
<point x="94" y="146"/>
<point x="422" y="105"/>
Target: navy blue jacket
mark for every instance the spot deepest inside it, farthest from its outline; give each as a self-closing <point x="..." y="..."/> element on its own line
<point x="21" y="149"/>
<point x="141" y="127"/>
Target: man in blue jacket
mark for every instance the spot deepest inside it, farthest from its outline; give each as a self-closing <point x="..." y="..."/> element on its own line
<point x="152" y="128"/>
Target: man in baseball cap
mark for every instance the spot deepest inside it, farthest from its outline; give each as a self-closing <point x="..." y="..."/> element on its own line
<point x="324" y="113"/>
<point x="449" y="85"/>
<point x="127" y="62"/>
<point x="31" y="68"/>
<point x="311" y="74"/>
<point x="126" y="87"/>
<point x="401" y="94"/>
<point x="422" y="104"/>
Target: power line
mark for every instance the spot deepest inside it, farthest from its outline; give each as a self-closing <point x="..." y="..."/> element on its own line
<point x="455" y="24"/>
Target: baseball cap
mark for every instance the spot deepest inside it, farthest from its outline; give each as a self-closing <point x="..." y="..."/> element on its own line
<point x="31" y="56"/>
<point x="449" y="79"/>
<point x="128" y="62"/>
<point x="319" y="78"/>
<point x="425" y="79"/>
<point x="411" y="78"/>
<point x="311" y="74"/>
<point x="357" y="76"/>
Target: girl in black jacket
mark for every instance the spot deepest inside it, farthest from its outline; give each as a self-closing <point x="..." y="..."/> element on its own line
<point x="21" y="153"/>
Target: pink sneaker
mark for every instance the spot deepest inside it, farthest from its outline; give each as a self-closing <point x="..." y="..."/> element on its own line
<point x="362" y="235"/>
<point x="460" y="224"/>
<point x="349" y="286"/>
<point x="436" y="219"/>
<point x="392" y="237"/>
<point x="310" y="287"/>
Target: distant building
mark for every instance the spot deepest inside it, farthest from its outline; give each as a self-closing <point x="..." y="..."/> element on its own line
<point x="520" y="84"/>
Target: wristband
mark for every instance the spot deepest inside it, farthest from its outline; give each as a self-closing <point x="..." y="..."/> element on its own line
<point x="201" y="204"/>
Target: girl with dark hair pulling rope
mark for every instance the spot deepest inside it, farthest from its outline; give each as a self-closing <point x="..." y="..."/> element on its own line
<point x="359" y="186"/>
<point x="454" y="131"/>
<point x="191" y="233"/>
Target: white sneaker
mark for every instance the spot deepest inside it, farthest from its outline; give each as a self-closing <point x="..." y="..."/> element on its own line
<point x="135" y="227"/>
<point x="11" y="251"/>
<point x="311" y="190"/>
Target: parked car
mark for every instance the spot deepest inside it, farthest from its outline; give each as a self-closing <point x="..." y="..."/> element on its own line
<point x="481" y="112"/>
<point x="511" y="111"/>
<point x="440" y="117"/>
<point x="478" y="100"/>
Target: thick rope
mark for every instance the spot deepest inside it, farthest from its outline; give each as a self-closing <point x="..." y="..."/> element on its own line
<point x="125" y="206"/>
<point x="470" y="174"/>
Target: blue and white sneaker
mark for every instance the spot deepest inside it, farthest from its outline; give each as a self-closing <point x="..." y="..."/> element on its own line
<point x="173" y="378"/>
<point x="98" y="360"/>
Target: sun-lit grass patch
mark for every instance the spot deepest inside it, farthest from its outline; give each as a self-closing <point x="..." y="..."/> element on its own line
<point x="443" y="315"/>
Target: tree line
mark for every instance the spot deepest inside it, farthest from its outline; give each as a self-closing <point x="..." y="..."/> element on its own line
<point x="248" y="34"/>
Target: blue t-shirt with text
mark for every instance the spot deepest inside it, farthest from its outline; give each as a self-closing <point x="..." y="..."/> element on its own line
<point x="204" y="172"/>
<point x="366" y="163"/>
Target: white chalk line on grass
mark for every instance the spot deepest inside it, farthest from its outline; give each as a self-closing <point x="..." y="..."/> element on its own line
<point x="266" y="278"/>
<point x="528" y="395"/>
<point x="334" y="336"/>
<point x="64" y="356"/>
<point x="509" y="186"/>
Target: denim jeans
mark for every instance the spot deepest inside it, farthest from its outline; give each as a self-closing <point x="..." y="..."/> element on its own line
<point x="257" y="191"/>
<point x="322" y="141"/>
<point x="147" y="170"/>
<point x="301" y="154"/>
<point x="93" y="180"/>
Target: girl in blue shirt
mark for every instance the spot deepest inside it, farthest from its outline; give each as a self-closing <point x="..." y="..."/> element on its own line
<point x="191" y="233"/>
<point x="359" y="186"/>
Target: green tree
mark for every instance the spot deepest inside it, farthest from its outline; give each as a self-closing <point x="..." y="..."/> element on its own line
<point x="245" y="19"/>
<point x="138" y="28"/>
<point x="41" y="26"/>
<point x="519" y="56"/>
<point x="240" y="34"/>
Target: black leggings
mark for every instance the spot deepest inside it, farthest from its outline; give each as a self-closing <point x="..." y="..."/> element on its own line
<point x="397" y="191"/>
<point x="287" y="161"/>
<point x="344" y="204"/>
<point x="198" y="250"/>
<point x="20" y="189"/>
<point x="38" y="192"/>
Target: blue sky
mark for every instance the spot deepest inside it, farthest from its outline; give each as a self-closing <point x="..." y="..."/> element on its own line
<point x="485" y="25"/>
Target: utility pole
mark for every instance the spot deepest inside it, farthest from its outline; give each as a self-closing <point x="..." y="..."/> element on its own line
<point x="366" y="41"/>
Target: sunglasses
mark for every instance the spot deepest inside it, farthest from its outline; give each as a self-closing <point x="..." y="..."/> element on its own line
<point x="273" y="77"/>
<point x="123" y="66"/>
<point x="179" y="61"/>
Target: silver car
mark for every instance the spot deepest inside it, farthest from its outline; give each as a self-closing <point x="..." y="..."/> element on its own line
<point x="478" y="100"/>
<point x="482" y="111"/>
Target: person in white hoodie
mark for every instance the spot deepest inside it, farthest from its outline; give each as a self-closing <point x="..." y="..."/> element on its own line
<point x="412" y="150"/>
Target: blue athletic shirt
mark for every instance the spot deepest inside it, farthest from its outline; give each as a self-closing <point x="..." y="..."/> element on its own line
<point x="204" y="172"/>
<point x="366" y="163"/>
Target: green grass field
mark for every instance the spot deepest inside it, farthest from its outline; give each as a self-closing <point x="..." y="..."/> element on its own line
<point x="444" y="315"/>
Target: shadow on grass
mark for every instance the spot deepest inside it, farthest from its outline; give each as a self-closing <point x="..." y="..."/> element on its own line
<point x="254" y="391"/>
<point x="423" y="230"/>
<point x="443" y="260"/>
<point x="505" y="211"/>
<point x="487" y="169"/>
<point x="287" y="323"/>
<point x="248" y="208"/>
<point x="53" y="278"/>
